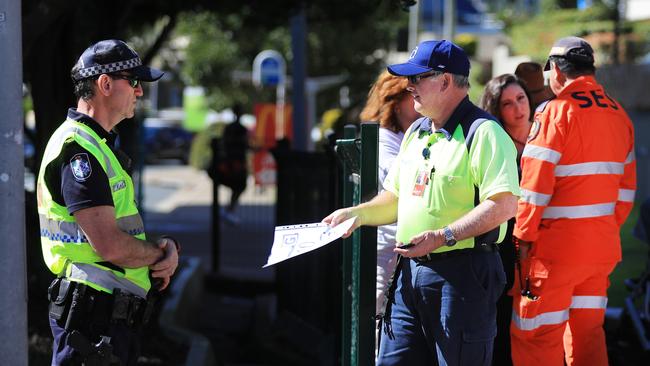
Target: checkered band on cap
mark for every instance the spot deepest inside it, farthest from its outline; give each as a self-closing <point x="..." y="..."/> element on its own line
<point x="108" y="68"/>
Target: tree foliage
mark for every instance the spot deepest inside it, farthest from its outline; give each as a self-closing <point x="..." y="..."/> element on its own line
<point x="343" y="37"/>
<point x="557" y="23"/>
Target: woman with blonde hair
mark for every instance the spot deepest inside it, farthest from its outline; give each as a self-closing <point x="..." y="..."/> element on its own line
<point x="390" y="104"/>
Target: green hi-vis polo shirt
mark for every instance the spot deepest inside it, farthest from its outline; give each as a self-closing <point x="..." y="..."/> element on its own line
<point x="453" y="178"/>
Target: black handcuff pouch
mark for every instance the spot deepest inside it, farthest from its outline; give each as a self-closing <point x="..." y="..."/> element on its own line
<point x="59" y="294"/>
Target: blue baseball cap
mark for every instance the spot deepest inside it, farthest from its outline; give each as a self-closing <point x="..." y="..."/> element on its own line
<point x="433" y="55"/>
<point x="109" y="56"/>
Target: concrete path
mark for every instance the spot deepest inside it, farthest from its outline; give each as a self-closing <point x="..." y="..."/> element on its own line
<point x="177" y="201"/>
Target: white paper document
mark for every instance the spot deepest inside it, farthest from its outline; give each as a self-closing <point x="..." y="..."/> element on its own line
<point x="292" y="240"/>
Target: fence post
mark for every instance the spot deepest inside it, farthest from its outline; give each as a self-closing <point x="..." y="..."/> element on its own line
<point x="360" y="250"/>
<point x="366" y="270"/>
<point x="349" y="133"/>
<point x="216" y="228"/>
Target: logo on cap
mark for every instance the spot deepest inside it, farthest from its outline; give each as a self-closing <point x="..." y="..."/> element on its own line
<point x="413" y="53"/>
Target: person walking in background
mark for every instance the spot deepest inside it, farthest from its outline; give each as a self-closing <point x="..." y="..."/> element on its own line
<point x="390" y="104"/>
<point x="92" y="235"/>
<point x="507" y="98"/>
<point x="233" y="166"/>
<point x="533" y="76"/>
<point x="453" y="186"/>
<point x="578" y="185"/>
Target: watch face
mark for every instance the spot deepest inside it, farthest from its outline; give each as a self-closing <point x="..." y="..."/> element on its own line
<point x="449" y="237"/>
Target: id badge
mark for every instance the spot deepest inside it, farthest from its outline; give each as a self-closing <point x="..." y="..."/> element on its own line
<point x="421" y="181"/>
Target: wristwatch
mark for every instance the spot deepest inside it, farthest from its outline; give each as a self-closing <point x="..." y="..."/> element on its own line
<point x="450" y="241"/>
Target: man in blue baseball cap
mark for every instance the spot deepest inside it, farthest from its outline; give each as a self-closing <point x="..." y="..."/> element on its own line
<point x="453" y="185"/>
<point x="92" y="235"/>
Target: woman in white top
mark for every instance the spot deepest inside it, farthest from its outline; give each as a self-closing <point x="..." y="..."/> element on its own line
<point x="390" y="104"/>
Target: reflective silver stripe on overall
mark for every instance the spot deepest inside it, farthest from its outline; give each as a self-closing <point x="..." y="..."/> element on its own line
<point x="579" y="212"/>
<point x="70" y="232"/>
<point x="549" y="318"/>
<point x="106" y="279"/>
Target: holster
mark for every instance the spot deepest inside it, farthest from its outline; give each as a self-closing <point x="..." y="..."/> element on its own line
<point x="131" y="309"/>
<point x="59" y="293"/>
<point x="100" y="354"/>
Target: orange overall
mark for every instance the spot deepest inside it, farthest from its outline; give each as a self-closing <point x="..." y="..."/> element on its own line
<point x="578" y="184"/>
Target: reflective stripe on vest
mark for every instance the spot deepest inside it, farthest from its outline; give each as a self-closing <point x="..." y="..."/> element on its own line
<point x="70" y="232"/>
<point x="85" y="272"/>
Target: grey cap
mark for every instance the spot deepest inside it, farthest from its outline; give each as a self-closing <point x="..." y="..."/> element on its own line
<point x="575" y="49"/>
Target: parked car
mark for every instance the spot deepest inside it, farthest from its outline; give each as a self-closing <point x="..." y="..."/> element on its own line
<point x="165" y="139"/>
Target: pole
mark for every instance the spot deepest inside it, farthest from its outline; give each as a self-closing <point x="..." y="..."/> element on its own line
<point x="13" y="302"/>
<point x="617" y="33"/>
<point x="414" y="17"/>
<point x="449" y="20"/>
<point x="216" y="218"/>
<point x="298" y="46"/>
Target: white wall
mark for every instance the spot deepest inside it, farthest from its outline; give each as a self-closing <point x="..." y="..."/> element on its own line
<point x="637" y="9"/>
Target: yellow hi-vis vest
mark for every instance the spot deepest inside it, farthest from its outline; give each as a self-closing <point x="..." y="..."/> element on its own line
<point x="66" y="250"/>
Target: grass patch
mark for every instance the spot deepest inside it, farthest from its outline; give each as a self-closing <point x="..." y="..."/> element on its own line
<point x="635" y="256"/>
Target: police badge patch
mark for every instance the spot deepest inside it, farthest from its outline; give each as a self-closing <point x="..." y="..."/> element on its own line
<point x="80" y="166"/>
<point x="534" y="130"/>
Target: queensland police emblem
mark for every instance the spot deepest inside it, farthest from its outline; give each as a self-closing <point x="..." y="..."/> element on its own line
<point x="80" y="166"/>
<point x="534" y="130"/>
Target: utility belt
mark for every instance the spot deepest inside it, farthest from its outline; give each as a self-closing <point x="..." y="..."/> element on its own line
<point x="483" y="247"/>
<point x="77" y="305"/>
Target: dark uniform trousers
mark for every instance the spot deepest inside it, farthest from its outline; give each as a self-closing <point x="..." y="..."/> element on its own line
<point x="82" y="317"/>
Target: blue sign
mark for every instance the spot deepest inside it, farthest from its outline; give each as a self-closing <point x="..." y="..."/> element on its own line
<point x="268" y="69"/>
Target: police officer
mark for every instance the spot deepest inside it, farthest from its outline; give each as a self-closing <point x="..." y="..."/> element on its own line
<point x="578" y="184"/>
<point x="453" y="186"/>
<point x="92" y="235"/>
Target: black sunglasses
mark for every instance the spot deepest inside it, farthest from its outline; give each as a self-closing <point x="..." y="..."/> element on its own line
<point x="133" y="81"/>
<point x="414" y="79"/>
